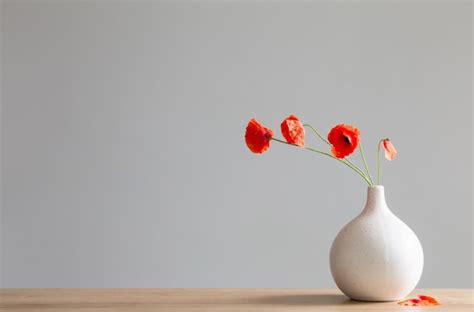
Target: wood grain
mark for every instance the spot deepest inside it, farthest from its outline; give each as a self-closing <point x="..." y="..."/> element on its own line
<point x="177" y="300"/>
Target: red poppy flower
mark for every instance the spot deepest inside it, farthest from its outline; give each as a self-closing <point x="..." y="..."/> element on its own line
<point x="422" y="300"/>
<point x="257" y="136"/>
<point x="390" y="151"/>
<point x="293" y="130"/>
<point x="344" y="140"/>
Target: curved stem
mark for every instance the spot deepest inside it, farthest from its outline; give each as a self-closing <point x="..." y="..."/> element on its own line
<point x="326" y="154"/>
<point x="347" y="160"/>
<point x="355" y="166"/>
<point x="378" y="162"/>
<point x="365" y="163"/>
<point x="317" y="133"/>
<point x="342" y="161"/>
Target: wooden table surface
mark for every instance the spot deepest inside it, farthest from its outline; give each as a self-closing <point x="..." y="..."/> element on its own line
<point x="145" y="300"/>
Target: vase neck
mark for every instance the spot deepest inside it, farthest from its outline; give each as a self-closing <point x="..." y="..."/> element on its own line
<point x="375" y="200"/>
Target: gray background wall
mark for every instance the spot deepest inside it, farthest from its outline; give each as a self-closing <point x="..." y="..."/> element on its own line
<point x="123" y="157"/>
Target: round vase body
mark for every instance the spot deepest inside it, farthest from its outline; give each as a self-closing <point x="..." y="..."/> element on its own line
<point x="376" y="257"/>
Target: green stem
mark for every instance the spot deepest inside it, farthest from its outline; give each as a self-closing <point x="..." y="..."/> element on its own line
<point x="317" y="133"/>
<point x="365" y="164"/>
<point x="326" y="154"/>
<point x="378" y="162"/>
<point x="347" y="160"/>
<point x="355" y="166"/>
<point x="357" y="170"/>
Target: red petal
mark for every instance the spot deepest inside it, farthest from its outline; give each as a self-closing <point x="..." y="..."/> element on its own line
<point x="390" y="151"/>
<point x="293" y="131"/>
<point x="257" y="137"/>
<point x="423" y="300"/>
<point x="410" y="302"/>
<point x="429" y="300"/>
<point x="344" y="140"/>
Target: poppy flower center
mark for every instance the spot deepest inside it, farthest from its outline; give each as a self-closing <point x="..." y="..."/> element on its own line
<point x="347" y="140"/>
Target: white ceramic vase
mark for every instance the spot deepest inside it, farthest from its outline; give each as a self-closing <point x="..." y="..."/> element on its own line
<point x="376" y="257"/>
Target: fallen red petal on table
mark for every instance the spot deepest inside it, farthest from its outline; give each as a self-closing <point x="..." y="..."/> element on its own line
<point x="423" y="300"/>
<point x="410" y="302"/>
<point x="430" y="300"/>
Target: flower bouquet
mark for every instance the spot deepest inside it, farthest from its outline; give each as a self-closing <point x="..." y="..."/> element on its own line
<point x="376" y="256"/>
<point x="343" y="140"/>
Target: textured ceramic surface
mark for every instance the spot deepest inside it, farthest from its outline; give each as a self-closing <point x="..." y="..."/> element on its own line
<point x="376" y="257"/>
